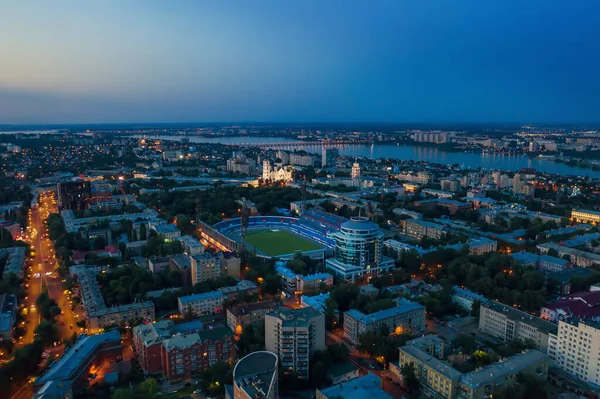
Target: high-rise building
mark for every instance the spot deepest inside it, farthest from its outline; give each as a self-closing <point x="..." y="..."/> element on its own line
<point x="255" y="376"/>
<point x="576" y="349"/>
<point x="73" y="194"/>
<point x="355" y="174"/>
<point x="358" y="250"/>
<point x="206" y="266"/>
<point x="294" y="335"/>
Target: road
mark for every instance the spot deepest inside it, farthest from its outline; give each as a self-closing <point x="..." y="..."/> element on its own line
<point x="45" y="263"/>
<point x="361" y="361"/>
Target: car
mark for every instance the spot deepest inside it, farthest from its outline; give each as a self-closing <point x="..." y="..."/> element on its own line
<point x="197" y="391"/>
<point x="62" y="323"/>
<point x="71" y="326"/>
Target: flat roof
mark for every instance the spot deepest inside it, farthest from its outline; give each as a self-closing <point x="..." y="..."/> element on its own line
<point x="384" y="314"/>
<point x="367" y="386"/>
<point x="523" y="317"/>
<point x="499" y="370"/>
<point x="255" y="373"/>
<point x="251" y="307"/>
<point x="70" y="362"/>
<point x="432" y="362"/>
<point x="200" y="297"/>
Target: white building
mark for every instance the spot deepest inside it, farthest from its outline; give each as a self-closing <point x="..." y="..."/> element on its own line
<point x="355" y="174"/>
<point x="464" y="298"/>
<point x="576" y="349"/>
<point x="191" y="245"/>
<point x="508" y="323"/>
<point x="201" y="304"/>
<point x="273" y="174"/>
<point x="294" y="335"/>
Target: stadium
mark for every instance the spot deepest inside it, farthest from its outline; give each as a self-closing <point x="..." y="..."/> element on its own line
<point x="283" y="236"/>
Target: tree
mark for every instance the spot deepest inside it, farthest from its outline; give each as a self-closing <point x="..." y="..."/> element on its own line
<point x="411" y="382"/>
<point x="46" y="332"/>
<point x="99" y="242"/>
<point x="150" y="386"/>
<point x="143" y="234"/>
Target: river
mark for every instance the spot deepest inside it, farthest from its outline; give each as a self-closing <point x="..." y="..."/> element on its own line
<point x="403" y="152"/>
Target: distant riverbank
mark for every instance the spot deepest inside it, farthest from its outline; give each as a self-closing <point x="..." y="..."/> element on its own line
<point x="490" y="161"/>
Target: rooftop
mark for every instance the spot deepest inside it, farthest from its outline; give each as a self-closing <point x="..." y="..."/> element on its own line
<point x="256" y="373"/>
<point x="523" y="317"/>
<point x="499" y="370"/>
<point x="584" y="305"/>
<point x="69" y="364"/>
<point x="564" y="276"/>
<point x="359" y="223"/>
<point x="384" y="314"/>
<point x="166" y="228"/>
<point x="201" y="297"/>
<point x="295" y="317"/>
<point x="433" y="362"/>
<point x="367" y="386"/>
<point x="251" y="307"/>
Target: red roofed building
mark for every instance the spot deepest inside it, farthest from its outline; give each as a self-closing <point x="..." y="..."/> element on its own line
<point x="583" y="305"/>
<point x="110" y="251"/>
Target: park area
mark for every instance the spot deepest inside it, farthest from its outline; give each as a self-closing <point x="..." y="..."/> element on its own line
<point x="278" y="242"/>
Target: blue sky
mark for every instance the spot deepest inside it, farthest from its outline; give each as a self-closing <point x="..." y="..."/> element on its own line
<point x="429" y="61"/>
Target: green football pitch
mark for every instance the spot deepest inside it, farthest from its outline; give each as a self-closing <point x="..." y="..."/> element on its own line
<point x="276" y="243"/>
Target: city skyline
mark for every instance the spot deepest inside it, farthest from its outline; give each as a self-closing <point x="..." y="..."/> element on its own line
<point x="427" y="62"/>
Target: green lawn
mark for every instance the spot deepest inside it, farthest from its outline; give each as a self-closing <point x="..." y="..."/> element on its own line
<point x="275" y="243"/>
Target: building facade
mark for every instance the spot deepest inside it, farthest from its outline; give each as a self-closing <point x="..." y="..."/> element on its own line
<point x="252" y="314"/>
<point x="294" y="335"/>
<point x="206" y="266"/>
<point x="201" y="304"/>
<point x="406" y="318"/>
<point x="507" y="323"/>
<point x="577" y="349"/>
<point x="358" y="250"/>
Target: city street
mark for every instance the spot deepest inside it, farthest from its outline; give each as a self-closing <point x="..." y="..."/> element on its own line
<point x="44" y="276"/>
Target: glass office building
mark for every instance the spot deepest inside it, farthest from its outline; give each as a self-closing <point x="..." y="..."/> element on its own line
<point x="358" y="250"/>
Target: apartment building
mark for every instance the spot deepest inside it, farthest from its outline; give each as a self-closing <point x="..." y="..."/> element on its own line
<point x="439" y="379"/>
<point x="191" y="245"/>
<point x="576" y="256"/>
<point x="294" y="335"/>
<point x="294" y="283"/>
<point x="252" y="314"/>
<point x="205" y="266"/>
<point x="419" y="229"/>
<point x="185" y="354"/>
<point x="115" y="315"/>
<point x="464" y="298"/>
<point x="201" y="304"/>
<point x="182" y="263"/>
<point x="508" y="323"/>
<point x="407" y="317"/>
<point x="148" y="339"/>
<point x="577" y="349"/>
<point x="8" y="316"/>
<point x="167" y="231"/>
